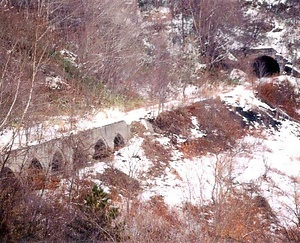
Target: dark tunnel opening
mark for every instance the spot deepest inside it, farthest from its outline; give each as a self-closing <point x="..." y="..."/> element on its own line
<point x="265" y="66"/>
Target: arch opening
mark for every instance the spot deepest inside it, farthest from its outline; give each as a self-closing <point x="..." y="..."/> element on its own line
<point x="57" y="161"/>
<point x="100" y="150"/>
<point x="8" y="180"/>
<point x="7" y="172"/>
<point x="265" y="66"/>
<point x="35" y="164"/>
<point x="118" y="141"/>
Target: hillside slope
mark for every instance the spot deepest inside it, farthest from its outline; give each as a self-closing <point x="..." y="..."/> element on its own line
<point x="213" y="157"/>
<point x="208" y="152"/>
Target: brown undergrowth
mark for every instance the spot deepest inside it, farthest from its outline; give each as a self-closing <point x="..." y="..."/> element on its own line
<point x="120" y="183"/>
<point x="280" y="95"/>
<point x="160" y="155"/>
<point x="238" y="217"/>
<point x="221" y="127"/>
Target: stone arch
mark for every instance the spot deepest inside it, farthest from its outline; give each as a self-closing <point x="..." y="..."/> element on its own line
<point x="8" y="180"/>
<point x="265" y="66"/>
<point x="57" y="162"/>
<point x="101" y="150"/>
<point x="35" y="164"/>
<point x="6" y="172"/>
<point x="118" y="141"/>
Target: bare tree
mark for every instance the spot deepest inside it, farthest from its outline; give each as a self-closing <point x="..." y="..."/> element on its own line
<point x="259" y="68"/>
<point x="24" y="51"/>
<point x="110" y="44"/>
<point x="214" y="23"/>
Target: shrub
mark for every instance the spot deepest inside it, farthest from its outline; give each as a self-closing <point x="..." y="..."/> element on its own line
<point x="280" y="95"/>
<point x="160" y="155"/>
<point x="221" y="126"/>
<point x="94" y="220"/>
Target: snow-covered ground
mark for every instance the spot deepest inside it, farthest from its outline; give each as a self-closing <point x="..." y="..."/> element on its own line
<point x="61" y="126"/>
<point x="268" y="161"/>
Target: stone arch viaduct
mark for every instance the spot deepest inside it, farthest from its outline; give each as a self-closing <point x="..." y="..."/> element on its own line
<point x="69" y="152"/>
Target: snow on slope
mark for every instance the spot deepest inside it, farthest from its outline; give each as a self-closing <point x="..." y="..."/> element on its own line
<point x="283" y="32"/>
<point x="269" y="2"/>
<point x="61" y="126"/>
<point x="269" y="160"/>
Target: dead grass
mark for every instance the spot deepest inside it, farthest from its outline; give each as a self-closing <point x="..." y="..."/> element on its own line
<point x="120" y="182"/>
<point x="243" y="219"/>
<point x="292" y="234"/>
<point x="238" y="218"/>
<point x="160" y="155"/>
<point x="137" y="128"/>
<point x="280" y="95"/>
<point x="153" y="221"/>
<point x="222" y="127"/>
<point x="175" y="122"/>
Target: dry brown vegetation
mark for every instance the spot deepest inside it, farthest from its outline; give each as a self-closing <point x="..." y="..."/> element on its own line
<point x="81" y="212"/>
<point x="31" y="53"/>
<point x="239" y="217"/>
<point x="221" y="126"/>
<point x="121" y="182"/>
<point x="280" y="95"/>
<point x="159" y="155"/>
<point x="115" y="66"/>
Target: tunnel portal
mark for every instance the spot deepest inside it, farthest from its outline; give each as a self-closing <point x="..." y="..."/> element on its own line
<point x="265" y="66"/>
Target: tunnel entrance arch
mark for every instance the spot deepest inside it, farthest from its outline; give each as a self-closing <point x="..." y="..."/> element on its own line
<point x="7" y="175"/>
<point x="265" y="66"/>
<point x="6" y="172"/>
<point x="36" y="177"/>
